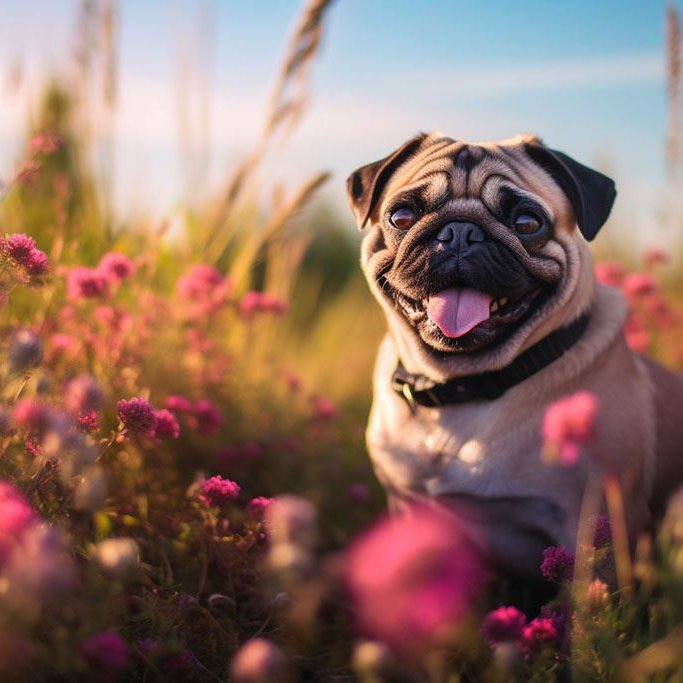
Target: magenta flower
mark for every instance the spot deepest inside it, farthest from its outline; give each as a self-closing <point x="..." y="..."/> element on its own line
<point x="567" y="425"/>
<point x="558" y="564"/>
<point x="538" y="635"/>
<point x="261" y="302"/>
<point x="218" y="492"/>
<point x="167" y="425"/>
<point x="256" y="507"/>
<point x="36" y="263"/>
<point x="16" y="516"/>
<point x="18" y="247"/>
<point x="324" y="409"/>
<point x="44" y="142"/>
<point x="85" y="283"/>
<point x="88" y="421"/>
<point x="178" y="404"/>
<point x="105" y="651"/>
<point x="200" y="280"/>
<point x="138" y="415"/>
<point x="412" y="576"/>
<point x="503" y="624"/>
<point x="115" y="267"/>
<point x="208" y="416"/>
<point x="31" y="415"/>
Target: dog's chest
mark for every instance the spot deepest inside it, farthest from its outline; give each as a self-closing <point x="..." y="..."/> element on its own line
<point x="477" y="448"/>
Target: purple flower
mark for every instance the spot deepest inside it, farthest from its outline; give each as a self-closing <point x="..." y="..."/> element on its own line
<point x="218" y="492"/>
<point x="561" y="617"/>
<point x="25" y="349"/>
<point x="116" y="267"/>
<point x="558" y="564"/>
<point x="88" y="421"/>
<point x="178" y="404"/>
<point x="167" y="425"/>
<point x="208" y="416"/>
<point x="83" y="394"/>
<point x="503" y="624"/>
<point x="106" y="651"/>
<point x="138" y="415"/>
<point x="539" y="634"/>
<point x="85" y="283"/>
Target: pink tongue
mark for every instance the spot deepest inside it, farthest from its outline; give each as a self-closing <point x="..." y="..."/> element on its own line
<point x="456" y="311"/>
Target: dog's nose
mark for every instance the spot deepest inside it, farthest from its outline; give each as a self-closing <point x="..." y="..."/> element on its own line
<point x="460" y="235"/>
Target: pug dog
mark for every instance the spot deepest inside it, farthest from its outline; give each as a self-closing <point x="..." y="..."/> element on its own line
<point x="477" y="254"/>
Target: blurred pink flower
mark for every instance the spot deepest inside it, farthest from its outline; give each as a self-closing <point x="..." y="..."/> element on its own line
<point x="88" y="421"/>
<point x="205" y="289"/>
<point x="178" y="404"/>
<point x="539" y="634"/>
<point x="106" y="653"/>
<point x="16" y="515"/>
<point x="61" y="344"/>
<point x="503" y="624"/>
<point x="558" y="564"/>
<point x="261" y="302"/>
<point x="610" y="273"/>
<point x="138" y="415"/>
<point x="257" y="507"/>
<point x="324" y="409"/>
<point x="167" y="424"/>
<point x="637" y="285"/>
<point x="637" y="336"/>
<point x="567" y="425"/>
<point x="44" y="142"/>
<point x="412" y="576"/>
<point x="654" y="257"/>
<point x="85" y="283"/>
<point x="259" y="661"/>
<point x="209" y="418"/>
<point x="31" y="415"/>
<point x="218" y="492"/>
<point x="83" y="394"/>
<point x="116" y="267"/>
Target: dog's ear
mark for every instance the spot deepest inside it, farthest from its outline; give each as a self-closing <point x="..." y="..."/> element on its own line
<point x="590" y="192"/>
<point x="364" y="186"/>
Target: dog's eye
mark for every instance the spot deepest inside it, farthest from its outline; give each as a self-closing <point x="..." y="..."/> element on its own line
<point x="527" y="224"/>
<point x="403" y="218"/>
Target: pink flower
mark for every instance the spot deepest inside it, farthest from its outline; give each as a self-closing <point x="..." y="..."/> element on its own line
<point x="178" y="404"/>
<point x="138" y="415"/>
<point x="61" y="344"/>
<point x="324" y="409"/>
<point x="653" y="257"/>
<point x="609" y="273"/>
<point x="208" y="416"/>
<point x="637" y="285"/>
<point x="18" y="247"/>
<point x="558" y="564"/>
<point x="85" y="283"/>
<point x="503" y="624"/>
<point x="259" y="661"/>
<point x="16" y="516"/>
<point x="257" y="507"/>
<point x="167" y="425"/>
<point x="105" y="651"/>
<point x="637" y="336"/>
<point x="36" y="263"/>
<point x="200" y="280"/>
<point x="218" y="492"/>
<point x="412" y="576"/>
<point x="115" y="267"/>
<point x="538" y="635"/>
<point x="261" y="302"/>
<point x="44" y="142"/>
<point x="31" y="415"/>
<point x="567" y="425"/>
<point x="83" y="394"/>
<point x="603" y="532"/>
<point x="88" y="421"/>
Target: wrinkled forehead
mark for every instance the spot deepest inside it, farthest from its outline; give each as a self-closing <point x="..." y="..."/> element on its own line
<point x="451" y="169"/>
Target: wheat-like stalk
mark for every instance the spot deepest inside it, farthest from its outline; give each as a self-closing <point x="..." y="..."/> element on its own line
<point x="287" y="104"/>
<point x="673" y="88"/>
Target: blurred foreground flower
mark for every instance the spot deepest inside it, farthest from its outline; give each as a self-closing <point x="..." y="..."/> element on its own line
<point x="502" y="625"/>
<point x="259" y="661"/>
<point x="567" y="425"/>
<point x="106" y="653"/>
<point x="414" y="577"/>
<point x="118" y="558"/>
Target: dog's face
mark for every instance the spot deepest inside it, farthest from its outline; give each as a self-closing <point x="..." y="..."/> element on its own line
<point x="472" y="245"/>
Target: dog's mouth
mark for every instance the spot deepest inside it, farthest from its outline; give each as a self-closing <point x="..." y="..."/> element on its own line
<point x="465" y="319"/>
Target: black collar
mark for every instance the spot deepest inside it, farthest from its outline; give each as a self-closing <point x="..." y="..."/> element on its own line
<point x="420" y="390"/>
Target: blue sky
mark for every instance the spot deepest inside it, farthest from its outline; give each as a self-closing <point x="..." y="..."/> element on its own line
<point x="587" y="76"/>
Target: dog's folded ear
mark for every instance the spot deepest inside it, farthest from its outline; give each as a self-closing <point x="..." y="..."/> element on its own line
<point x="590" y="193"/>
<point x="364" y="186"/>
